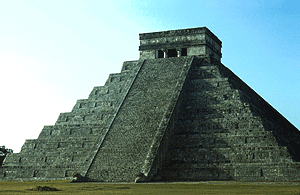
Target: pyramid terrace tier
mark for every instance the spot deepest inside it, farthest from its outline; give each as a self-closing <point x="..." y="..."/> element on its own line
<point x="69" y="118"/>
<point x="225" y="124"/>
<point x="63" y="146"/>
<point x="204" y="72"/>
<point x="48" y="159"/>
<point x="211" y="84"/>
<point x="211" y="97"/>
<point x="230" y="155"/>
<point x="226" y="172"/>
<point x="36" y="172"/>
<point x="86" y="105"/>
<point x="50" y="152"/>
<point x="105" y="93"/>
<point x="227" y="109"/>
<point x="82" y="131"/>
<point x="224" y="140"/>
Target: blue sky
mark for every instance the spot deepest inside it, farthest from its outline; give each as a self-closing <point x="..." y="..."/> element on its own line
<point x="54" y="52"/>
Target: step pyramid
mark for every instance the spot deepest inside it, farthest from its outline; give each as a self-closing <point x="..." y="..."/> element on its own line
<point x="176" y="114"/>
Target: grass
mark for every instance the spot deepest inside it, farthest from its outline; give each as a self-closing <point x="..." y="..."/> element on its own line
<point x="65" y="187"/>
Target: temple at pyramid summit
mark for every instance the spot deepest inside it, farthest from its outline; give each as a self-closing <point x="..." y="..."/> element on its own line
<point x="175" y="114"/>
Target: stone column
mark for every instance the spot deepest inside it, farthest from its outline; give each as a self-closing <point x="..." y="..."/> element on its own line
<point x="165" y="53"/>
<point x="178" y="52"/>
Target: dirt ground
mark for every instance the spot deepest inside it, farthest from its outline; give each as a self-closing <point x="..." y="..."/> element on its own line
<point x="65" y="187"/>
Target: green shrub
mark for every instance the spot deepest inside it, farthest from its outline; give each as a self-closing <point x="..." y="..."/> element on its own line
<point x="45" y="188"/>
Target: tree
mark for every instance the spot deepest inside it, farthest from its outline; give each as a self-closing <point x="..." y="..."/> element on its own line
<point x="3" y="152"/>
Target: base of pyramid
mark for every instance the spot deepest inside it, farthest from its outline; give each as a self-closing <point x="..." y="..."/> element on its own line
<point x="232" y="172"/>
<point x="247" y="172"/>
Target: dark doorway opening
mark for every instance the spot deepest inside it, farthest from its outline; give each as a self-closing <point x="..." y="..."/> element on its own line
<point x="184" y="52"/>
<point x="160" y="54"/>
<point x="172" y="53"/>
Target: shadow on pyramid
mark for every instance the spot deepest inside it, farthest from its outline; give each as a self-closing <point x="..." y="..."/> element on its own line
<point x="176" y="114"/>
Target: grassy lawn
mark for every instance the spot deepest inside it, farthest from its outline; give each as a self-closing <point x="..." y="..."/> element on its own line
<point x="225" y="188"/>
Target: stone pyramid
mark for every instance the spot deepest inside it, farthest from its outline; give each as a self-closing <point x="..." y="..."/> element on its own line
<point x="176" y="114"/>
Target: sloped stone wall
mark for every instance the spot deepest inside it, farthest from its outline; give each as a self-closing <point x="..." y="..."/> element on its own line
<point x="222" y="135"/>
<point x="61" y="149"/>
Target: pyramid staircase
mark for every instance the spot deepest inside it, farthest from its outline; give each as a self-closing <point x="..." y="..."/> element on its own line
<point x="124" y="150"/>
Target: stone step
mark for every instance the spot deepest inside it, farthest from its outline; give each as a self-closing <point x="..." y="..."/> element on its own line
<point x="213" y="84"/>
<point x="67" y="132"/>
<point x="98" y="91"/>
<point x="107" y="107"/>
<point x="62" y="151"/>
<point x="74" y="136"/>
<point x="48" y="159"/>
<point x="224" y="124"/>
<point x="107" y="92"/>
<point x="223" y="140"/>
<point x="214" y="81"/>
<point x="129" y="66"/>
<point x="71" y="118"/>
<point x="211" y="97"/>
<point x="33" y="173"/>
<point x="232" y="132"/>
<point x="70" y="134"/>
<point x="202" y="72"/>
<point x="222" y="110"/>
<point x="197" y="131"/>
<point x="86" y="104"/>
<point x="72" y="126"/>
<point x="118" y="78"/>
<point x="40" y="145"/>
<point x="237" y="172"/>
<point x="211" y="114"/>
<point x="231" y="155"/>
<point x="107" y="97"/>
<point x="115" y="88"/>
<point x="193" y="106"/>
